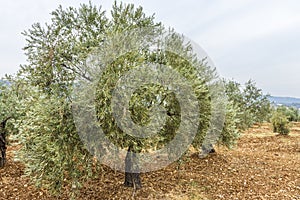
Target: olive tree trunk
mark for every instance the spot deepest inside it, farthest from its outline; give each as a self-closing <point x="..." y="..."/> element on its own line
<point x="3" y="142"/>
<point x="132" y="175"/>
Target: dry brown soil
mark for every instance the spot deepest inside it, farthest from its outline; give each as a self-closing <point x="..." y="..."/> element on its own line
<point x="262" y="166"/>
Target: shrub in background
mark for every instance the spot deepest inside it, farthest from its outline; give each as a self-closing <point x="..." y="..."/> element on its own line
<point x="280" y="123"/>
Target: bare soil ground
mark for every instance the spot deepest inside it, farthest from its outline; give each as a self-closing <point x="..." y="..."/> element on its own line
<point x="263" y="166"/>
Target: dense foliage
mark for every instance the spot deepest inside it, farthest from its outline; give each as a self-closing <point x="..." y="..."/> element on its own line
<point x="230" y="132"/>
<point x="146" y="97"/>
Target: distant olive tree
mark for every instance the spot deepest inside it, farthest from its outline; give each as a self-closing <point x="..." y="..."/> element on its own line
<point x="280" y="123"/>
<point x="252" y="105"/>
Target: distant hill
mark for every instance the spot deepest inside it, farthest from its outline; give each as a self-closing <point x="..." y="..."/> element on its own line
<point x="286" y="101"/>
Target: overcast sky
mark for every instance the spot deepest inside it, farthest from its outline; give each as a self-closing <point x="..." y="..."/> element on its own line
<point x="246" y="39"/>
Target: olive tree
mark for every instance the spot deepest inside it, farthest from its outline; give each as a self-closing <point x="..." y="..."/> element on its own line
<point x="251" y="104"/>
<point x="280" y="123"/>
<point x="57" y="55"/>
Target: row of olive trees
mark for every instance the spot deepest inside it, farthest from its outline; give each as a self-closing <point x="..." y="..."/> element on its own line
<point x="40" y="96"/>
<point x="252" y="105"/>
